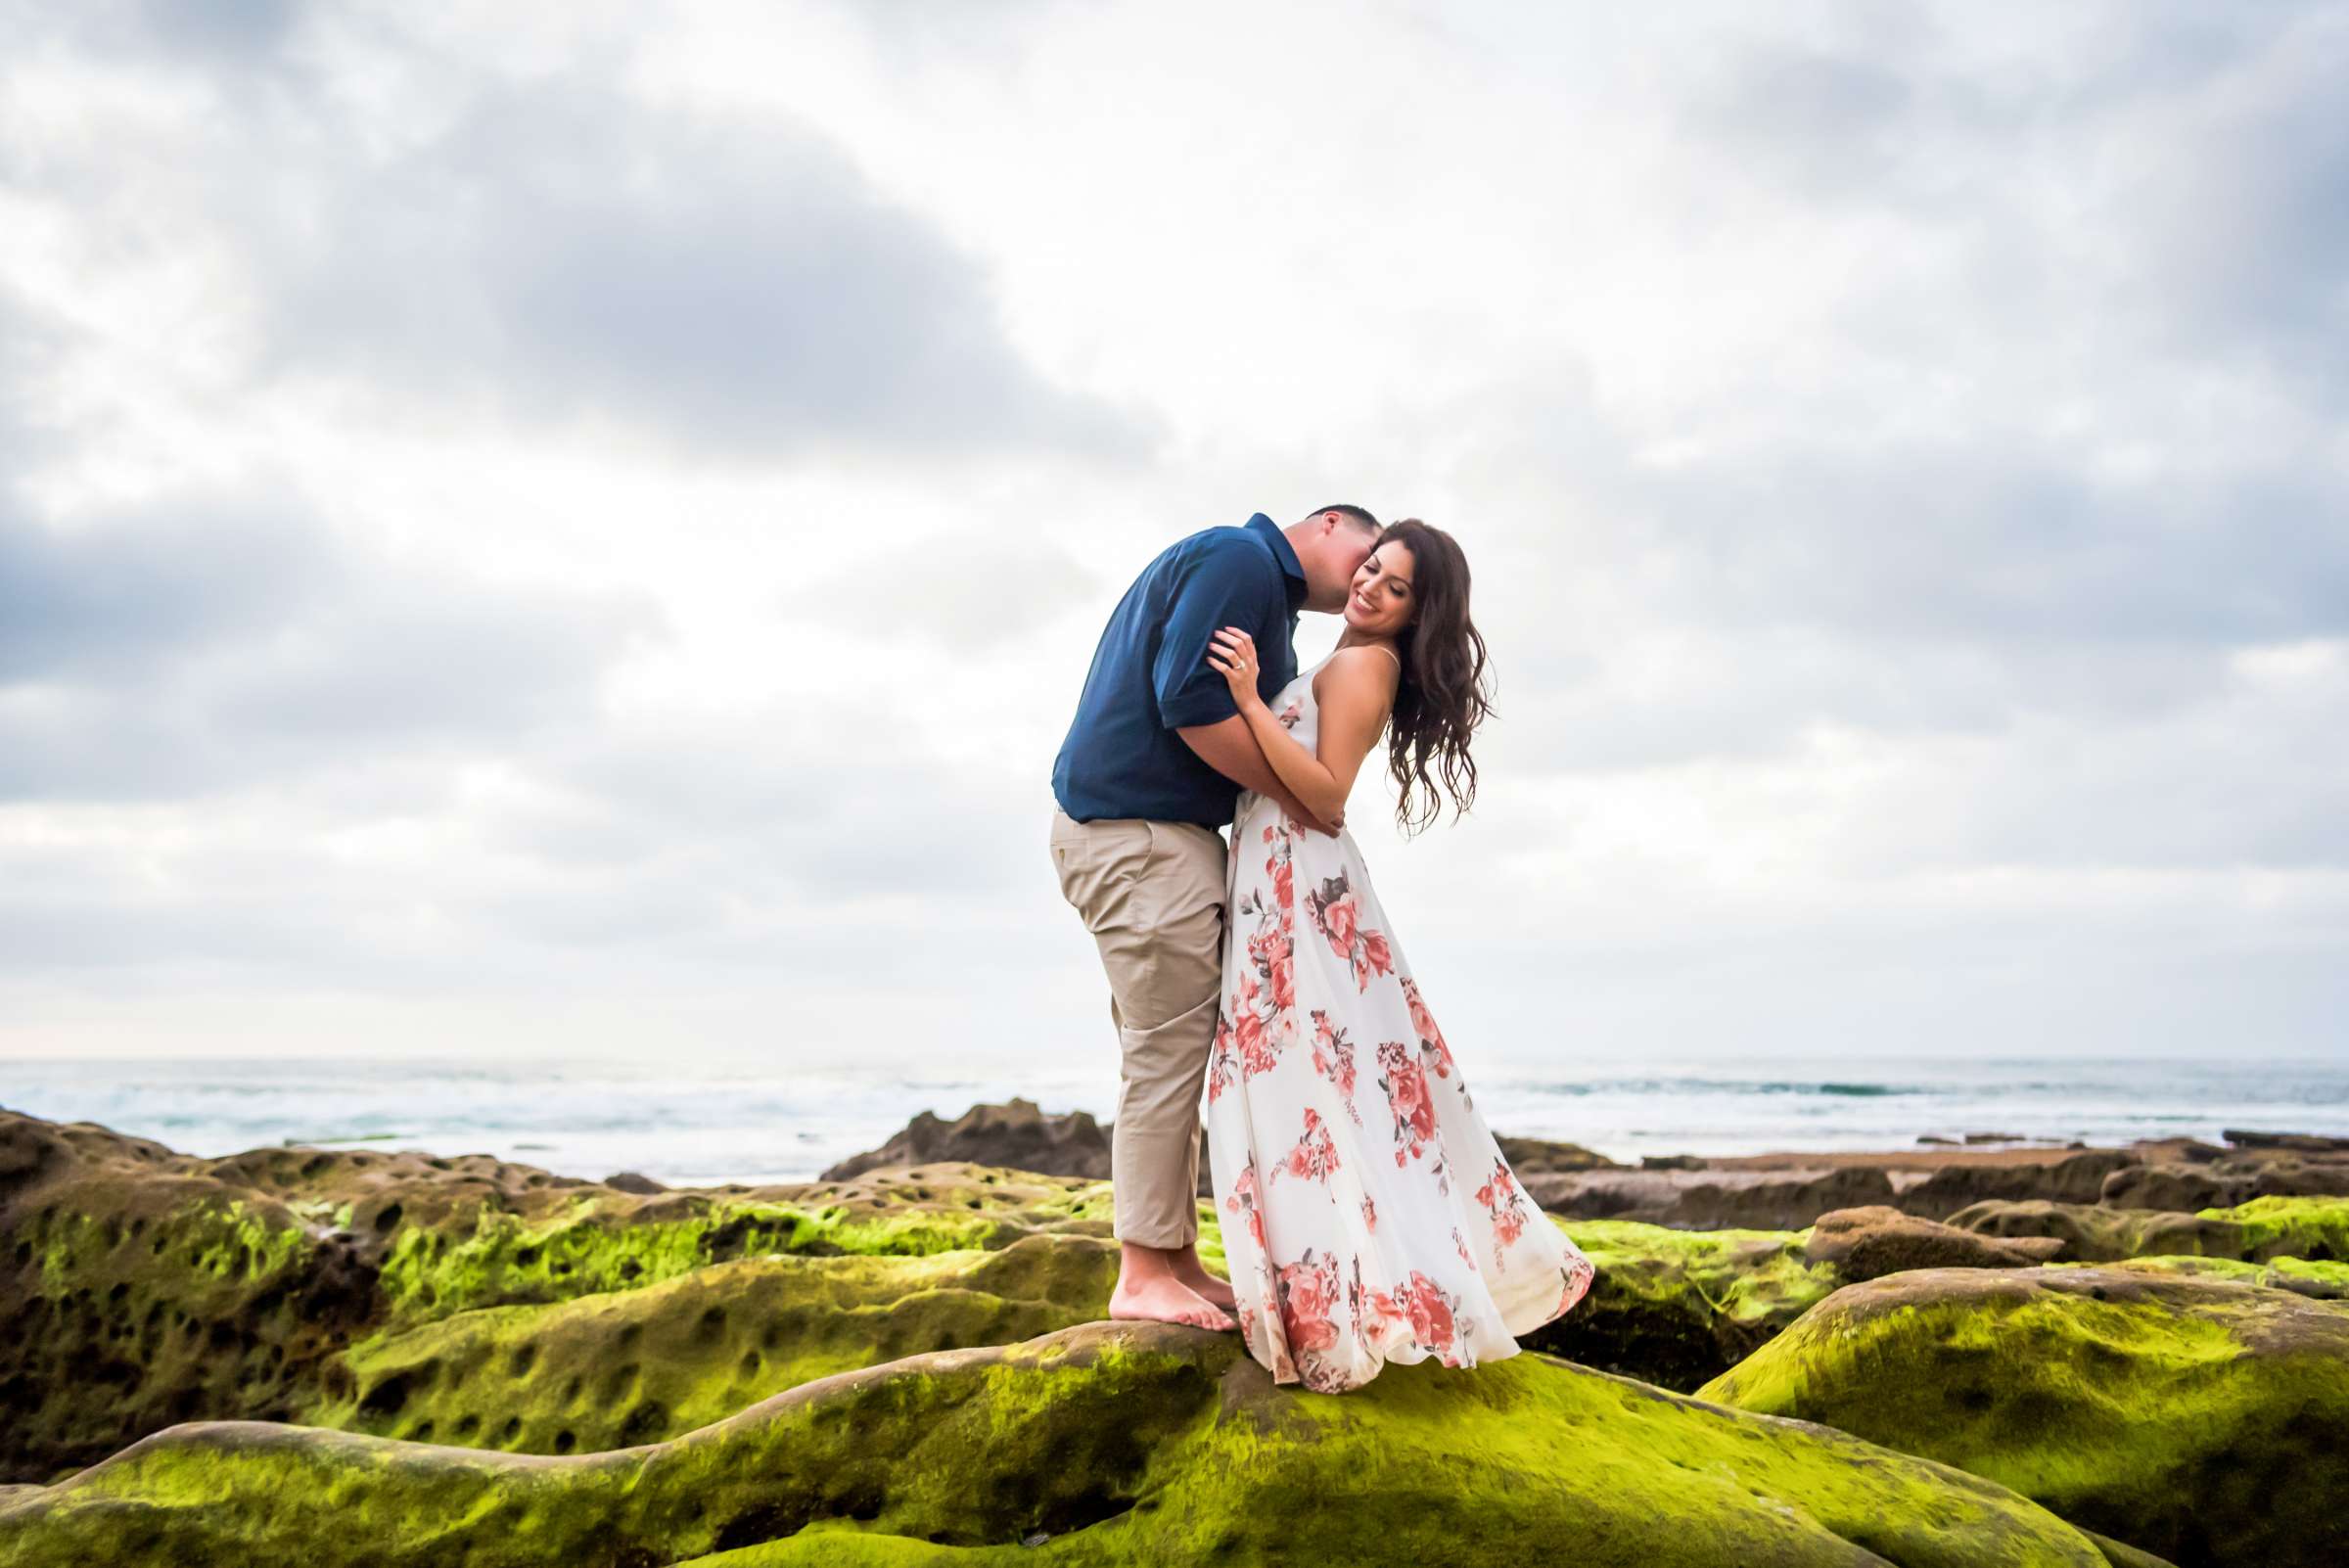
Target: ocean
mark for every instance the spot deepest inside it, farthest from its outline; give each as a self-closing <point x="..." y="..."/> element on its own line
<point x="711" y="1122"/>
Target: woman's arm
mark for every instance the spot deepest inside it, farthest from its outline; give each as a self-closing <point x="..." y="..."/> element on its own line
<point x="1231" y="748"/>
<point x="1359" y="690"/>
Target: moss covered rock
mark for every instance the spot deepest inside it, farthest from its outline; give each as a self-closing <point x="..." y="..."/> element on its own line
<point x="2319" y="1281"/>
<point x="2315" y="1228"/>
<point x="2203" y="1419"/>
<point x="1678" y="1307"/>
<point x="129" y="1303"/>
<point x="1104" y="1444"/>
<point x="596" y="1240"/>
<point x="2093" y="1234"/>
<point x="630" y="1367"/>
<point x="140" y="1287"/>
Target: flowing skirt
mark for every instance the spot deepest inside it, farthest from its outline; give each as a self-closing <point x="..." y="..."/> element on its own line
<point x="1368" y="1213"/>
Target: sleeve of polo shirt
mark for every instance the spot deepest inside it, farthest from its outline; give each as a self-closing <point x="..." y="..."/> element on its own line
<point x="1226" y="588"/>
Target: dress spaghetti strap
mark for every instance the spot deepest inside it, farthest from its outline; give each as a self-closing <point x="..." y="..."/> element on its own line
<point x="1385" y="647"/>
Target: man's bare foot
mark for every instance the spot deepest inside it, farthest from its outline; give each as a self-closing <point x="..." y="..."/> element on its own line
<point x="1166" y="1299"/>
<point x="1192" y="1273"/>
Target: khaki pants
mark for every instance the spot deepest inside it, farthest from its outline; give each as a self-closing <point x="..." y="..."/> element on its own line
<point x="1152" y="895"/>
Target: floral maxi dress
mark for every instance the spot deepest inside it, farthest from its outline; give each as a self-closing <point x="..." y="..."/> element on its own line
<point x="1368" y="1216"/>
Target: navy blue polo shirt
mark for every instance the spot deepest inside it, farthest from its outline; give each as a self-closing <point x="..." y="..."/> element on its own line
<point x="1151" y="677"/>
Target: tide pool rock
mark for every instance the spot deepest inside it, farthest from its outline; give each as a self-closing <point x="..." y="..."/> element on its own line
<point x="2200" y="1418"/>
<point x="2223" y="1182"/>
<point x="2090" y="1234"/>
<point x="2312" y="1227"/>
<point x="1107" y="1444"/>
<point x="2073" y="1178"/>
<point x="1708" y="1198"/>
<point x="133" y="1296"/>
<point x="1678" y="1307"/>
<point x="1868" y="1243"/>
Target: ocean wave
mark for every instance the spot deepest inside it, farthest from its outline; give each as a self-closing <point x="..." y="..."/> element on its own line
<point x="1723" y="1085"/>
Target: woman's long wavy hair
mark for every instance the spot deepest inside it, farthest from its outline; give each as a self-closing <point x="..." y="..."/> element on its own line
<point x="1444" y="693"/>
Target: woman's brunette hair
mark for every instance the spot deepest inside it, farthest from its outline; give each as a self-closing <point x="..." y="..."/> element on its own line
<point x="1443" y="696"/>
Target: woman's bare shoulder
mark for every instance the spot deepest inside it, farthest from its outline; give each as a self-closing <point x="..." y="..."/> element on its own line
<point x="1372" y="669"/>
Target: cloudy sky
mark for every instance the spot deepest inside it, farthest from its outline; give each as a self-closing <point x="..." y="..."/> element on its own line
<point x="578" y="528"/>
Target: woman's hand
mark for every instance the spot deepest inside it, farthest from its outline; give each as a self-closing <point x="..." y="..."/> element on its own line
<point x="1233" y="651"/>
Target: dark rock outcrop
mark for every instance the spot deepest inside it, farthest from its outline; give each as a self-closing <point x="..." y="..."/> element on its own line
<point x="1545" y="1156"/>
<point x="2223" y="1183"/>
<point x="2075" y="1178"/>
<point x="1016" y="1135"/>
<point x="2174" y="1187"/>
<point x="1709" y="1199"/>
<point x="2302" y="1143"/>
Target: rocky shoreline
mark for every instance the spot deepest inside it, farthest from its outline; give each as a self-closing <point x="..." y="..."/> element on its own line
<point x="1988" y="1355"/>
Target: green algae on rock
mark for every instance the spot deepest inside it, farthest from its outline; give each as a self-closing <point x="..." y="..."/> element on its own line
<point x="140" y="1288"/>
<point x="1106" y="1443"/>
<point x="2314" y="1228"/>
<point x="1678" y="1307"/>
<point x="128" y="1305"/>
<point x="2319" y="1281"/>
<point x="599" y="1240"/>
<point x="2090" y="1234"/>
<point x="2200" y="1418"/>
<point x="632" y="1367"/>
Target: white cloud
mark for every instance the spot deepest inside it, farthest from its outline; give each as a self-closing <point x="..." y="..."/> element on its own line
<point x="536" y="530"/>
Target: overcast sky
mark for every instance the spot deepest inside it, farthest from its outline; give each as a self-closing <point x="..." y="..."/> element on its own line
<point x="578" y="527"/>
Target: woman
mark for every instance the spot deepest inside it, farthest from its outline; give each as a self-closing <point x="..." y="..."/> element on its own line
<point x="1368" y="1216"/>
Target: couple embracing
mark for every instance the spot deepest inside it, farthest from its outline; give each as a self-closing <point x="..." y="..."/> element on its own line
<point x="1367" y="1214"/>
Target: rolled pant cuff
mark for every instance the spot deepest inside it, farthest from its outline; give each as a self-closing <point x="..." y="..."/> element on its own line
<point x="1156" y="1237"/>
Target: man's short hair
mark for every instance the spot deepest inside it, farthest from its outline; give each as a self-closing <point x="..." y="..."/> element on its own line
<point x="1360" y="516"/>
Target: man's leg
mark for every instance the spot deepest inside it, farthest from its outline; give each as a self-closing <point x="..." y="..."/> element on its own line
<point x="1137" y="1262"/>
<point x="1152" y="896"/>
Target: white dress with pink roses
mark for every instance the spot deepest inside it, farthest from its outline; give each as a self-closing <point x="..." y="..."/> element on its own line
<point x="1368" y="1216"/>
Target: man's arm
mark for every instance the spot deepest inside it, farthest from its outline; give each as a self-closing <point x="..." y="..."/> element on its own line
<point x="1195" y="700"/>
<point x="1362" y="684"/>
<point x="1230" y="750"/>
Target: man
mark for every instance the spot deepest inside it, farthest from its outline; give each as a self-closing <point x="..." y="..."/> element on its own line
<point x="1152" y="768"/>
